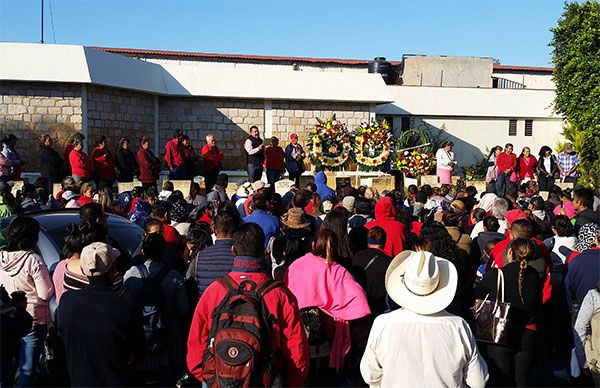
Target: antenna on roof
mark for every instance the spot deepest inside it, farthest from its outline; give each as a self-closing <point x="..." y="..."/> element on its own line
<point x="42" y="40"/>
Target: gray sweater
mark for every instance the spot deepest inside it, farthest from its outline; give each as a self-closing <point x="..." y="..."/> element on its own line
<point x="583" y="327"/>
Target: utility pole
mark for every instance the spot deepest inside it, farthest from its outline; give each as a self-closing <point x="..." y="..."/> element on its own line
<point x="42" y="40"/>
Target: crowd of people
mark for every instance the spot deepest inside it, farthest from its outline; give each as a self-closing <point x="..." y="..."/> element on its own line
<point x="316" y="286"/>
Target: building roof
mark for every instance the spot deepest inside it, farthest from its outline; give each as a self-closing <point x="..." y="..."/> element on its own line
<point x="332" y="61"/>
<point x="78" y="64"/>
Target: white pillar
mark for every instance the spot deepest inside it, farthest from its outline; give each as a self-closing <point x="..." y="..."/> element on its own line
<point x="84" y="117"/>
<point x="371" y="112"/>
<point x="268" y="108"/>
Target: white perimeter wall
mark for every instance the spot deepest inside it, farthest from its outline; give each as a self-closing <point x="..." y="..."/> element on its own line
<point x="472" y="136"/>
<point x="531" y="80"/>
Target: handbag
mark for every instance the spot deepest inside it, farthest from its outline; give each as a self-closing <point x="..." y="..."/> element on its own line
<point x="514" y="177"/>
<point x="492" y="317"/>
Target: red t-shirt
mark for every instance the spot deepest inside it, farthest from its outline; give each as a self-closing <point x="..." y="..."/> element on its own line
<point x="274" y="158"/>
<point x="505" y="161"/>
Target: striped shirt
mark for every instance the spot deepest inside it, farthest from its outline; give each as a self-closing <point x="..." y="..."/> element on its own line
<point x="75" y="282"/>
<point x="567" y="162"/>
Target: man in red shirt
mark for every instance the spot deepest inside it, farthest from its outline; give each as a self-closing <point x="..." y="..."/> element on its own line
<point x="274" y="161"/>
<point x="174" y="156"/>
<point x="289" y="346"/>
<point x="104" y="164"/>
<point x="212" y="159"/>
<point x="506" y="163"/>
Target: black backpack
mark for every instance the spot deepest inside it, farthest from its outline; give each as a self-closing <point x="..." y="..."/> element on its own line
<point x="239" y="349"/>
<point x="153" y="310"/>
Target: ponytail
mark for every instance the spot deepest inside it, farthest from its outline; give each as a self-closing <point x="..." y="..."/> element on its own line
<point x="522" y="267"/>
<point x="523" y="251"/>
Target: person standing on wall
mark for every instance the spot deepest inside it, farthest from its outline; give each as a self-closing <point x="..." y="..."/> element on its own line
<point x="445" y="163"/>
<point x="126" y="163"/>
<point x="68" y="148"/>
<point x="149" y="164"/>
<point x="527" y="165"/>
<point x="104" y="164"/>
<point x="174" y="156"/>
<point x="294" y="158"/>
<point x="274" y="161"/>
<point x="568" y="161"/>
<point x="547" y="167"/>
<point x="81" y="165"/>
<point x="506" y="162"/>
<point x="212" y="159"/>
<point x="255" y="154"/>
<point x="50" y="161"/>
<point x="190" y="158"/>
<point x="10" y="153"/>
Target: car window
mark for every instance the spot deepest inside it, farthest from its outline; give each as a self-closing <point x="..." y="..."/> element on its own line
<point x="127" y="235"/>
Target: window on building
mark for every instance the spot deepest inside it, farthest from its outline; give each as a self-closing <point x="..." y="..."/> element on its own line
<point x="512" y="128"/>
<point x="405" y="123"/>
<point x="528" y="127"/>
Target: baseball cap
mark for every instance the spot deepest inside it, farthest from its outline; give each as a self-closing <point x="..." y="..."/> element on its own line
<point x="98" y="258"/>
<point x="294" y="136"/>
<point x="348" y="202"/>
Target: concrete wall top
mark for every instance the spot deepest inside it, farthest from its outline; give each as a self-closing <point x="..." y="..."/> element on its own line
<point x="78" y="64"/>
<point x="431" y="70"/>
<point x="470" y="102"/>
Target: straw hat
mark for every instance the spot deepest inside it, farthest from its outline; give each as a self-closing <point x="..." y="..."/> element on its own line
<point x="421" y="282"/>
<point x="295" y="218"/>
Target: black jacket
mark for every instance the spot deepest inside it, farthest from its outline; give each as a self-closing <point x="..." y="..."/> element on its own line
<point x="126" y="164"/>
<point x="373" y="278"/>
<point x="51" y="164"/>
<point x="553" y="166"/>
<point x="100" y="330"/>
<point x="527" y="308"/>
<point x="586" y="216"/>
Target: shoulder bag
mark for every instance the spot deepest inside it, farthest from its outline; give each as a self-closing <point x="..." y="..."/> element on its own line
<point x="492" y="317"/>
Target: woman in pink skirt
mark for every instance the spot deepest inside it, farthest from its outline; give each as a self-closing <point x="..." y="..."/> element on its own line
<point x="445" y="163"/>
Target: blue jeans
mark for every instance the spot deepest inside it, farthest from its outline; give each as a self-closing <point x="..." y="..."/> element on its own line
<point x="273" y="176"/>
<point x="501" y="184"/>
<point x="254" y="173"/>
<point x="32" y="346"/>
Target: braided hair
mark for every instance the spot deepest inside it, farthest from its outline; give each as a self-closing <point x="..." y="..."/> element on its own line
<point x="523" y="251"/>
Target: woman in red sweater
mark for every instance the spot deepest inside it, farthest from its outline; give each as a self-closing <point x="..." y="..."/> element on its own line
<point x="274" y="161"/>
<point x="149" y="164"/>
<point x="81" y="165"/>
<point x="527" y="165"/>
<point x="507" y="163"/>
<point x="104" y="163"/>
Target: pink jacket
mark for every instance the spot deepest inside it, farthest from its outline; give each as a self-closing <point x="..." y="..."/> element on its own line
<point x="5" y="165"/>
<point x="26" y="271"/>
<point x="331" y="288"/>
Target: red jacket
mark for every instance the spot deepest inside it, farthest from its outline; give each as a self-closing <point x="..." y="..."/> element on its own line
<point x="174" y="153"/>
<point x="104" y="164"/>
<point x="274" y="158"/>
<point x="505" y="161"/>
<point x="499" y="255"/>
<point x="395" y="231"/>
<point x="84" y="200"/>
<point x="527" y="167"/>
<point x="291" y="355"/>
<point x="171" y="235"/>
<point x="212" y="158"/>
<point x="149" y="166"/>
<point x="81" y="165"/>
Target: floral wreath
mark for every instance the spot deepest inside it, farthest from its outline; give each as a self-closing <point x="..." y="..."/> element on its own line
<point x="416" y="163"/>
<point x="378" y="138"/>
<point x="330" y="144"/>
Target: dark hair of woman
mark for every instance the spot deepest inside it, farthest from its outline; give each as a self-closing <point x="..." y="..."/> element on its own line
<point x="198" y="239"/>
<point x="543" y="151"/>
<point x="494" y="150"/>
<point x="562" y="226"/>
<point x="436" y="239"/>
<point x="100" y="139"/>
<point x="80" y="236"/>
<point x="122" y="141"/>
<point x="194" y="190"/>
<point x="337" y="221"/>
<point x="43" y="139"/>
<point x="22" y="234"/>
<point x="144" y="140"/>
<point x="325" y="245"/>
<point x="523" y="251"/>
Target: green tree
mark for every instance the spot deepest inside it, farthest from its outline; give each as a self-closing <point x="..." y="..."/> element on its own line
<point x="576" y="56"/>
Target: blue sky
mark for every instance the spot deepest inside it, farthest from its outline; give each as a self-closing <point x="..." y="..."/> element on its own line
<point x="515" y="32"/>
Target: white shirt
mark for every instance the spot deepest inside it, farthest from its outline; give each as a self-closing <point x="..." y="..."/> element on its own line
<point x="547" y="164"/>
<point x="478" y="228"/>
<point x="411" y="350"/>
<point x="443" y="158"/>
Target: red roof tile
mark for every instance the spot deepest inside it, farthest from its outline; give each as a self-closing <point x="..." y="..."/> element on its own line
<point x="524" y="68"/>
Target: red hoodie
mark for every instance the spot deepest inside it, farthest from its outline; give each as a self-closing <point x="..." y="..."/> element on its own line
<point x="81" y="165"/>
<point x="385" y="217"/>
<point x="104" y="164"/>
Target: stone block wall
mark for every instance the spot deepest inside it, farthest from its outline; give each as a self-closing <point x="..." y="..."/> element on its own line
<point x="300" y="117"/>
<point x="229" y="120"/>
<point x="118" y="113"/>
<point x="31" y="109"/>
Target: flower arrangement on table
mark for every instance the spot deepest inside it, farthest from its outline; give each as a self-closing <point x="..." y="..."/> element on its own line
<point x="372" y="145"/>
<point x="330" y="144"/>
<point x="415" y="163"/>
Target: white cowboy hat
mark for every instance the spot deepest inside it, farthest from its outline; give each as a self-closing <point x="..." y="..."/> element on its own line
<point x="421" y="282"/>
